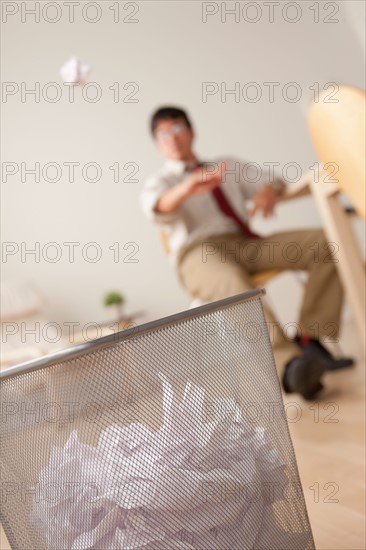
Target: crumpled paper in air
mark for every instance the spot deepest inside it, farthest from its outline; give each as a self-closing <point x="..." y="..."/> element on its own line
<point x="183" y="487"/>
<point x="74" y="71"/>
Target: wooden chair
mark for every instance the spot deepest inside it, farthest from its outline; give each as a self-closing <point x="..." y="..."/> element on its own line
<point x="338" y="133"/>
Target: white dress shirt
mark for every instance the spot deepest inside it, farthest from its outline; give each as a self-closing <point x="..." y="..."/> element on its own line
<point x="199" y="216"/>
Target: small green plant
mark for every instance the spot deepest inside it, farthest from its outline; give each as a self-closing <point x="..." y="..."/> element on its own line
<point x="115" y="299"/>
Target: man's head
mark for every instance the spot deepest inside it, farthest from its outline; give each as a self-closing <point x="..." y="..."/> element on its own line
<point x="173" y="133"/>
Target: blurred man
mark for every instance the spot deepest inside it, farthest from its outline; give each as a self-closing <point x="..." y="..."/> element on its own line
<point x="202" y="207"/>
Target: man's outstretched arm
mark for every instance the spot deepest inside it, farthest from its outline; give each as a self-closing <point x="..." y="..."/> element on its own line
<point x="199" y="181"/>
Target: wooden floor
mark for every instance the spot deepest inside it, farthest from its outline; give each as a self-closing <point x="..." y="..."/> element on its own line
<point x="329" y="441"/>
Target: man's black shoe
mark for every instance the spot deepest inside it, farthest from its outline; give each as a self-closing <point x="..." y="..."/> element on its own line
<point x="313" y="349"/>
<point x="303" y="375"/>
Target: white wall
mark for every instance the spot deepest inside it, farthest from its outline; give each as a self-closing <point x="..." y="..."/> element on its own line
<point x="169" y="53"/>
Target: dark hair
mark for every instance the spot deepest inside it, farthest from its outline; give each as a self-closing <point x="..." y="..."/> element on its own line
<point x="165" y="113"/>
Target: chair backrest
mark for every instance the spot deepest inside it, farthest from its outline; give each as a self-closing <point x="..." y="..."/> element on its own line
<point x="171" y="434"/>
<point x="337" y="123"/>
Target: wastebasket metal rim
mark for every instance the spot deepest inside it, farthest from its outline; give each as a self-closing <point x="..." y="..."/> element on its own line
<point x="74" y="351"/>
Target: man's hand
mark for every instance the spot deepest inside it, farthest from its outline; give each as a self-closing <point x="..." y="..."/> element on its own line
<point x="201" y="180"/>
<point x="264" y="200"/>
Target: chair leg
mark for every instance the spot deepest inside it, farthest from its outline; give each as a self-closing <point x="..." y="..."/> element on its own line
<point x="351" y="266"/>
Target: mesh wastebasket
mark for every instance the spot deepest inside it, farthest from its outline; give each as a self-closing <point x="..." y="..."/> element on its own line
<point x="169" y="435"/>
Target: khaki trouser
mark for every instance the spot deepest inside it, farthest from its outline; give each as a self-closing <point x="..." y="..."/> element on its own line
<point x="221" y="265"/>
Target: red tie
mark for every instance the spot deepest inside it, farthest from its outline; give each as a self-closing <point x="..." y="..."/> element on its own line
<point x="224" y="205"/>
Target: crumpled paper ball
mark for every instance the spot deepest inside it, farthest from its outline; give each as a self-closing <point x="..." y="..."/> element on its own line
<point x="182" y="487"/>
<point x="74" y="71"/>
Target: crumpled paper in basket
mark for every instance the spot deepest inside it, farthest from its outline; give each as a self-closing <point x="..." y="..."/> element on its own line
<point x="192" y="485"/>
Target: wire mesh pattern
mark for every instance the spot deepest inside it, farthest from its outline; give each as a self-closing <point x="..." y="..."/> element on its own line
<point x="170" y="436"/>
